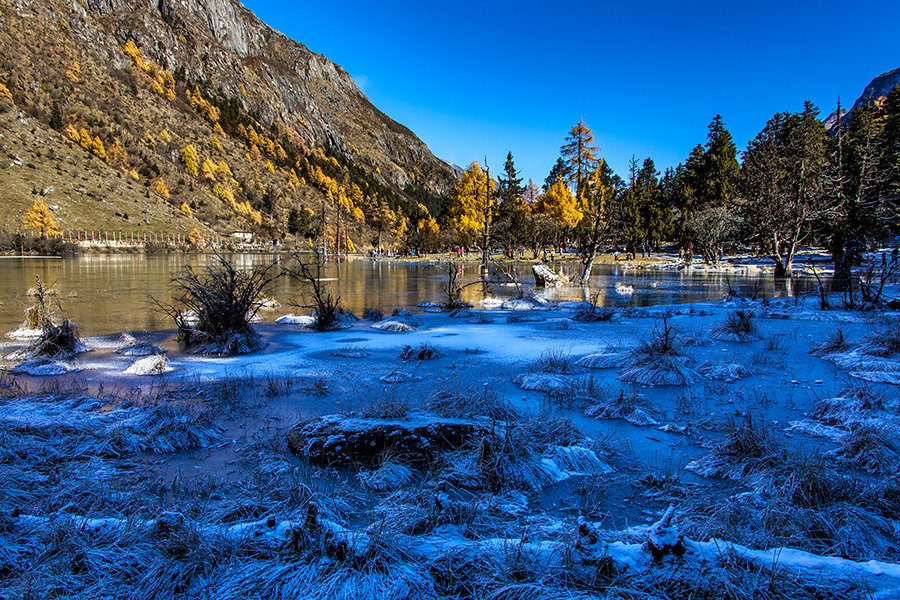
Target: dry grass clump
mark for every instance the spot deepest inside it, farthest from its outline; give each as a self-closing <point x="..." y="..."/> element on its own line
<point x="510" y="456"/>
<point x="869" y="448"/>
<point x="659" y="360"/>
<point x="555" y="361"/>
<point x="594" y="314"/>
<point x="885" y="344"/>
<point x="853" y="405"/>
<point x="619" y="405"/>
<point x="738" y="327"/>
<point x="423" y="351"/>
<point x="472" y="403"/>
<point x="833" y="342"/>
<point x="748" y="447"/>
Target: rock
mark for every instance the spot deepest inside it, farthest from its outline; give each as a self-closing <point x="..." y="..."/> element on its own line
<point x="393" y="326"/>
<point x="292" y="319"/>
<point x="43" y="367"/>
<point x="544" y="276"/>
<point x="151" y="365"/>
<point x="342" y="440"/>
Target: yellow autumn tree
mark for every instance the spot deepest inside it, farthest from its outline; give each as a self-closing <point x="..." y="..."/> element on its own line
<point x="40" y="219"/>
<point x="191" y="160"/>
<point x="97" y="147"/>
<point x="559" y="204"/>
<point x="162" y="189"/>
<point x="73" y="74"/>
<point x="5" y="94"/>
<point x="84" y="138"/>
<point x="208" y="170"/>
<point x="186" y="210"/>
<point x="471" y="204"/>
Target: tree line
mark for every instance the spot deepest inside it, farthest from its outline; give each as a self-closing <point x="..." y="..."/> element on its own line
<point x="796" y="183"/>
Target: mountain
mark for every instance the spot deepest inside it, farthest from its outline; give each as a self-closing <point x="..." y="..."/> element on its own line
<point x="876" y="91"/>
<point x="108" y="95"/>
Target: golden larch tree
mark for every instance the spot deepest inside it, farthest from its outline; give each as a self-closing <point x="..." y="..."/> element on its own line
<point x="40" y="219"/>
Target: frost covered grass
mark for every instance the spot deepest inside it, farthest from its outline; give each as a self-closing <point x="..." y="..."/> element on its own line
<point x="486" y="490"/>
<point x="738" y="327"/>
<point x="884" y="344"/>
<point x="659" y="360"/>
<point x="809" y="505"/>
<point x="556" y="361"/>
<point x="423" y="351"/>
<point x="833" y="342"/>
<point x="747" y="447"/>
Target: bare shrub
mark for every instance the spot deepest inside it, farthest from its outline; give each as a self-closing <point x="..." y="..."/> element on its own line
<point x="215" y="305"/>
<point x="327" y="308"/>
<point x="55" y="341"/>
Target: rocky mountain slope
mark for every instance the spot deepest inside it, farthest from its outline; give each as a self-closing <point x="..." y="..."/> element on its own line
<point x="125" y="87"/>
<point x="876" y="91"/>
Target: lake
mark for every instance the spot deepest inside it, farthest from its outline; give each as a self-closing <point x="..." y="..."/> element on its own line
<point x="110" y="293"/>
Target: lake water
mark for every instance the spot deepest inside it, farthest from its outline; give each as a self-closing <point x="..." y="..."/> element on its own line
<point x="110" y="293"/>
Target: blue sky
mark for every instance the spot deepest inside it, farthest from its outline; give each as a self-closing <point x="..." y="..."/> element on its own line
<point x="478" y="79"/>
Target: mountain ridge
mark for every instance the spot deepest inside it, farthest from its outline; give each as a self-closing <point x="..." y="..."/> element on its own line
<point x="154" y="77"/>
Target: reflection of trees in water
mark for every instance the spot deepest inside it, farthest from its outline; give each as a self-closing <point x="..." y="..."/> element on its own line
<point x="108" y="293"/>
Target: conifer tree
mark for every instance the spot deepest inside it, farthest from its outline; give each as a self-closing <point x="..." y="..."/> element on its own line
<point x="40" y="219"/>
<point x="470" y="204"/>
<point x="560" y="170"/>
<point x="721" y="171"/>
<point x="580" y="156"/>
<point x="559" y="204"/>
<point x="191" y="160"/>
<point x="783" y="183"/>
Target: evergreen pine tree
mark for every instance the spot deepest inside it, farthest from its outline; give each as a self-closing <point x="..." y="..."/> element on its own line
<point x="580" y="155"/>
<point x="560" y="170"/>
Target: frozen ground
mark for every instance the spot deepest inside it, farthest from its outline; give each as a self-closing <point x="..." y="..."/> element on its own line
<point x="770" y="429"/>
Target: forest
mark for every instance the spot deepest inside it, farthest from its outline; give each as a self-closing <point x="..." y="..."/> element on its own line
<point x="797" y="183"/>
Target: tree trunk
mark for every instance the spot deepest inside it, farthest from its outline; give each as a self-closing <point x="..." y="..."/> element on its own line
<point x="782" y="268"/>
<point x="585" y="277"/>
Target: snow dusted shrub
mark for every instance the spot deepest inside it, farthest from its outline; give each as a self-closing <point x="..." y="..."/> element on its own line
<point x="738" y="327"/>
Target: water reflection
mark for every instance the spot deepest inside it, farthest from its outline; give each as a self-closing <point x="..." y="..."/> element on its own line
<point x="111" y="293"/>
